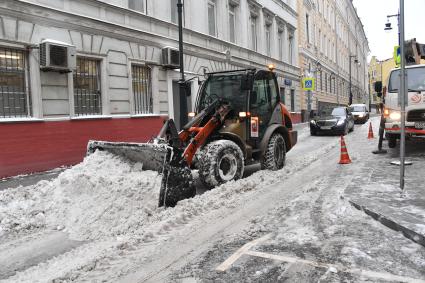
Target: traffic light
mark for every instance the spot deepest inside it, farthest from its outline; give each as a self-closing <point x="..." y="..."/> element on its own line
<point x="378" y="88"/>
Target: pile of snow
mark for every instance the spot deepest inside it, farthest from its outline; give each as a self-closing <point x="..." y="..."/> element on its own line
<point x="103" y="195"/>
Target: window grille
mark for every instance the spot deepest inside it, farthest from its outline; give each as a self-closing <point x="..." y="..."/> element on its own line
<point x="14" y="91"/>
<point x="87" y="94"/>
<point x="142" y="89"/>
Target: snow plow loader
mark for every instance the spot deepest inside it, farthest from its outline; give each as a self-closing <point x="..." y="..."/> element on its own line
<point x="239" y="120"/>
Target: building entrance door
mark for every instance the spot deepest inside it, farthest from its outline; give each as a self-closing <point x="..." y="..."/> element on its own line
<point x="179" y="118"/>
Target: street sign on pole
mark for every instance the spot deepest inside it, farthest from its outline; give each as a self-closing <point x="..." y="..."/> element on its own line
<point x="396" y="55"/>
<point x="308" y="83"/>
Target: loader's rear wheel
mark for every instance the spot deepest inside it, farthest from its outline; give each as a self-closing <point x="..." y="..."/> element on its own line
<point x="275" y="155"/>
<point x="220" y="161"/>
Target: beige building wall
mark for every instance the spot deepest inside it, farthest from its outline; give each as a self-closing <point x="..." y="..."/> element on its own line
<point x="331" y="35"/>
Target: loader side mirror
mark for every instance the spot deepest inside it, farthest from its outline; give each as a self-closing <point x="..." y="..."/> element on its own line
<point x="247" y="81"/>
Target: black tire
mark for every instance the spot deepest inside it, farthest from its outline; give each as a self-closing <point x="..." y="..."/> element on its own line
<point x="220" y="161"/>
<point x="313" y="132"/>
<point x="392" y="141"/>
<point x="275" y="155"/>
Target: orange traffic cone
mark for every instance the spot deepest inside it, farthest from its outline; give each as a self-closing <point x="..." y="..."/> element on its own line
<point x="370" y="134"/>
<point x="345" y="158"/>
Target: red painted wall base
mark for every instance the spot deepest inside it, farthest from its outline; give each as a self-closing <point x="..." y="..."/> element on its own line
<point x="296" y="117"/>
<point x="30" y="147"/>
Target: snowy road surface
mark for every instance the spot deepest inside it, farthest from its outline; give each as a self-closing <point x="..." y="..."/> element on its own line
<point x="99" y="221"/>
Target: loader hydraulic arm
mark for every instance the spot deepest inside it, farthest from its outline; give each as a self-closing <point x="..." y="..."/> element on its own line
<point x="203" y="133"/>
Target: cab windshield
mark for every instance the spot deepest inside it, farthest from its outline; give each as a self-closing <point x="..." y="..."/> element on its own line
<point x="338" y="112"/>
<point x="415" y="80"/>
<point x="226" y="87"/>
<point x="358" y="109"/>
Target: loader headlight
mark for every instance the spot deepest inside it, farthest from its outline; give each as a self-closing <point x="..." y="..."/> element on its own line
<point x="191" y="114"/>
<point x="395" y="115"/>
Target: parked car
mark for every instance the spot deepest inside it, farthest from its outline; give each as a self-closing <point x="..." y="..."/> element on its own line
<point x="338" y="121"/>
<point x="360" y="113"/>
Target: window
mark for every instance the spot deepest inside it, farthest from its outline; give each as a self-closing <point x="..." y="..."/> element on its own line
<point x="292" y="100"/>
<point x="87" y="94"/>
<point x="282" y="95"/>
<point x="137" y="5"/>
<point x="14" y="93"/>
<point x="325" y="48"/>
<point x="232" y="22"/>
<point x="326" y="82"/>
<point x="211" y="18"/>
<point x="307" y="28"/>
<point x="253" y="33"/>
<point x="321" y="80"/>
<point x="268" y="41"/>
<point x="290" y="48"/>
<point x="280" y="43"/>
<point x="142" y="89"/>
<point x="174" y="12"/>
<point x="320" y="41"/>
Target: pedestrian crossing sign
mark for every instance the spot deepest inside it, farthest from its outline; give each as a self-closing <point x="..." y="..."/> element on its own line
<point x="308" y="84"/>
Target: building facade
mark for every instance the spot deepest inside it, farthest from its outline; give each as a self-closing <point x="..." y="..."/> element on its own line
<point x="333" y="50"/>
<point x="121" y="89"/>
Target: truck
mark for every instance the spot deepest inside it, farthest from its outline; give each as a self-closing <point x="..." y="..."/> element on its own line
<point x="415" y="101"/>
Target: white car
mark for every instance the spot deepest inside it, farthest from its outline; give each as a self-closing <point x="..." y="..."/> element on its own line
<point x="360" y="113"/>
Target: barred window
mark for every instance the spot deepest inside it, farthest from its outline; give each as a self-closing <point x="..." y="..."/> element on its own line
<point x="142" y="89"/>
<point x="14" y="91"/>
<point x="87" y="93"/>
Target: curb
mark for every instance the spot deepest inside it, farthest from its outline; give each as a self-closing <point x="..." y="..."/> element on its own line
<point x="407" y="232"/>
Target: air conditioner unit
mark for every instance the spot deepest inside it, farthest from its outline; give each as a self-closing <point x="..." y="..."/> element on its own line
<point x="57" y="56"/>
<point x="170" y="57"/>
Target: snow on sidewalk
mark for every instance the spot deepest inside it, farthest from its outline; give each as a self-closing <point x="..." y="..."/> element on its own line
<point x="101" y="196"/>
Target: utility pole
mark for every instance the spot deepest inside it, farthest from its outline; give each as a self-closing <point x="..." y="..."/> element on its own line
<point x="350" y="98"/>
<point x="403" y="92"/>
<point x="182" y="83"/>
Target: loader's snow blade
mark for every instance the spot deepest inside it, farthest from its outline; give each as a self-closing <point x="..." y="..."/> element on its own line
<point x="176" y="185"/>
<point x="152" y="156"/>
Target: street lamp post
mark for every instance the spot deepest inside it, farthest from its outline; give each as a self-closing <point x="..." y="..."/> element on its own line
<point x="182" y="83"/>
<point x="403" y="90"/>
<point x="350" y="93"/>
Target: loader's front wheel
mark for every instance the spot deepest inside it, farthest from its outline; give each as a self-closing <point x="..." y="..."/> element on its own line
<point x="274" y="157"/>
<point x="220" y="161"/>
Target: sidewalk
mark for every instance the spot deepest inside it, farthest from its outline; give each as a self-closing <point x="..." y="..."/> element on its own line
<point x="380" y="196"/>
<point x="30" y="179"/>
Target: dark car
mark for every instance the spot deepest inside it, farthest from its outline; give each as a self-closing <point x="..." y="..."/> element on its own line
<point x="360" y="113"/>
<point x="337" y="121"/>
